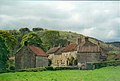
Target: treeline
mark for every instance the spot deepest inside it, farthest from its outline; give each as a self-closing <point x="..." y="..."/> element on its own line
<point x="12" y="40"/>
<point x="39" y="37"/>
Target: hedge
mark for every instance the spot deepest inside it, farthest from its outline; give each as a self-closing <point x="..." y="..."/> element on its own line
<point x="106" y="63"/>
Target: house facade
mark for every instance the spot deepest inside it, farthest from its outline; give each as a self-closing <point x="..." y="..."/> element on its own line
<point x="30" y="57"/>
<point x="78" y="54"/>
<point x="63" y="56"/>
<point x="88" y="52"/>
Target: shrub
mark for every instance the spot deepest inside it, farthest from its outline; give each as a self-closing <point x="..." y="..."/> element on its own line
<point x="106" y="63"/>
<point x="32" y="69"/>
<point x="12" y="67"/>
<point x="49" y="68"/>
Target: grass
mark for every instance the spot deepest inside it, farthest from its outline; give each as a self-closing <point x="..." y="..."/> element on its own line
<point x="103" y="74"/>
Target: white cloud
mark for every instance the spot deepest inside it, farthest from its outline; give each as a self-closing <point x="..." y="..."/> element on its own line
<point x="111" y="34"/>
<point x="97" y="19"/>
<point x="88" y="31"/>
<point x="65" y="6"/>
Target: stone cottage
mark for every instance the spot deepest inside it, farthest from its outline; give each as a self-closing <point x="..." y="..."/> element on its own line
<point x="63" y="56"/>
<point x="30" y="57"/>
<point x="70" y="55"/>
<point x="89" y="52"/>
<point x="55" y="55"/>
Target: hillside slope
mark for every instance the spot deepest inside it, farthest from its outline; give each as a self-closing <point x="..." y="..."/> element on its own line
<point x="70" y="36"/>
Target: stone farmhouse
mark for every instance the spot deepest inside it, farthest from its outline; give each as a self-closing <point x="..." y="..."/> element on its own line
<point x="89" y="52"/>
<point x="63" y="56"/>
<point x="78" y="54"/>
<point x="30" y="57"/>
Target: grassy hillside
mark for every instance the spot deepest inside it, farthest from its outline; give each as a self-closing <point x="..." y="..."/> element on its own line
<point x="103" y="74"/>
<point x="70" y="36"/>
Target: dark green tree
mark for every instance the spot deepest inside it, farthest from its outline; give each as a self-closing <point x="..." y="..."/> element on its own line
<point x="7" y="43"/>
<point x="62" y="42"/>
<point x="24" y="30"/>
<point x="50" y="38"/>
<point x="32" y="39"/>
<point x="37" y="29"/>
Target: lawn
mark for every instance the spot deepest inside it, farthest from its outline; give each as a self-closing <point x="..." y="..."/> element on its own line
<point x="103" y="74"/>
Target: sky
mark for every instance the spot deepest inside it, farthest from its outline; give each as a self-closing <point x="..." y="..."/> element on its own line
<point x="98" y="19"/>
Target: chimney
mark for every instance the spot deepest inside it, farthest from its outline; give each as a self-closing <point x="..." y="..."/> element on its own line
<point x="86" y="39"/>
<point x="98" y="43"/>
<point x="79" y="41"/>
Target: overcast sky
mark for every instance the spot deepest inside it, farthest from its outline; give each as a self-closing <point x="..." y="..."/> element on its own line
<point x="97" y="19"/>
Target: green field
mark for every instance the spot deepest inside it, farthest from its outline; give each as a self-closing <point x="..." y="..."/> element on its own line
<point x="103" y="74"/>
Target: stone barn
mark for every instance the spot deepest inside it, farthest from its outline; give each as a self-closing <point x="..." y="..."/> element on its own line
<point x="89" y="52"/>
<point x="30" y="57"/>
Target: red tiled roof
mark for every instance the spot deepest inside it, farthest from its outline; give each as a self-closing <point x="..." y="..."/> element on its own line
<point x="52" y="50"/>
<point x="38" y="51"/>
<point x="70" y="47"/>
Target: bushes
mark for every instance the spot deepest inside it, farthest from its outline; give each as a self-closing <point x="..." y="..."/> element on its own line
<point x="106" y="63"/>
<point x="65" y="68"/>
<point x="32" y="69"/>
<point x="49" y="68"/>
<point x="45" y="69"/>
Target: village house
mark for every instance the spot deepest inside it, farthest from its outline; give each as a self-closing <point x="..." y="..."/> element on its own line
<point x="30" y="57"/>
<point x="63" y="56"/>
<point x="70" y="55"/>
<point x="55" y="55"/>
<point x="78" y="54"/>
<point x="89" y="52"/>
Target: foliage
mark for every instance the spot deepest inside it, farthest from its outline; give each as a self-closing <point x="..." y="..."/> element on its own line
<point x="10" y="40"/>
<point x="3" y="54"/>
<point x="7" y="42"/>
<point x="37" y="29"/>
<point x="50" y="38"/>
<point x="32" y="39"/>
<point x="24" y="30"/>
<point x="97" y="65"/>
<point x="32" y="69"/>
<point x="62" y="42"/>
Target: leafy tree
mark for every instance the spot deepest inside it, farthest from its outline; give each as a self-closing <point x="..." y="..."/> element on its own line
<point x="50" y="38"/>
<point x="37" y="29"/>
<point x="62" y="42"/>
<point x="24" y="30"/>
<point x="32" y="39"/>
<point x="3" y="54"/>
<point x="7" y="42"/>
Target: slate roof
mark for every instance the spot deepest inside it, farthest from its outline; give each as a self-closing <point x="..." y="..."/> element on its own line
<point x="89" y="47"/>
<point x="60" y="50"/>
<point x="53" y="50"/>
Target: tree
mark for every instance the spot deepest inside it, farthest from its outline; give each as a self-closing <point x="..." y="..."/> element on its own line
<point x="3" y="54"/>
<point x="62" y="42"/>
<point x="7" y="43"/>
<point x="24" y="30"/>
<point x="32" y="39"/>
<point x="37" y="29"/>
<point x="50" y="38"/>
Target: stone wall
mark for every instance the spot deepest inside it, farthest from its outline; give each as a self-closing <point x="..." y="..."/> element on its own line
<point x="25" y="59"/>
<point x="63" y="59"/>
<point x="41" y="61"/>
<point x="88" y="57"/>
